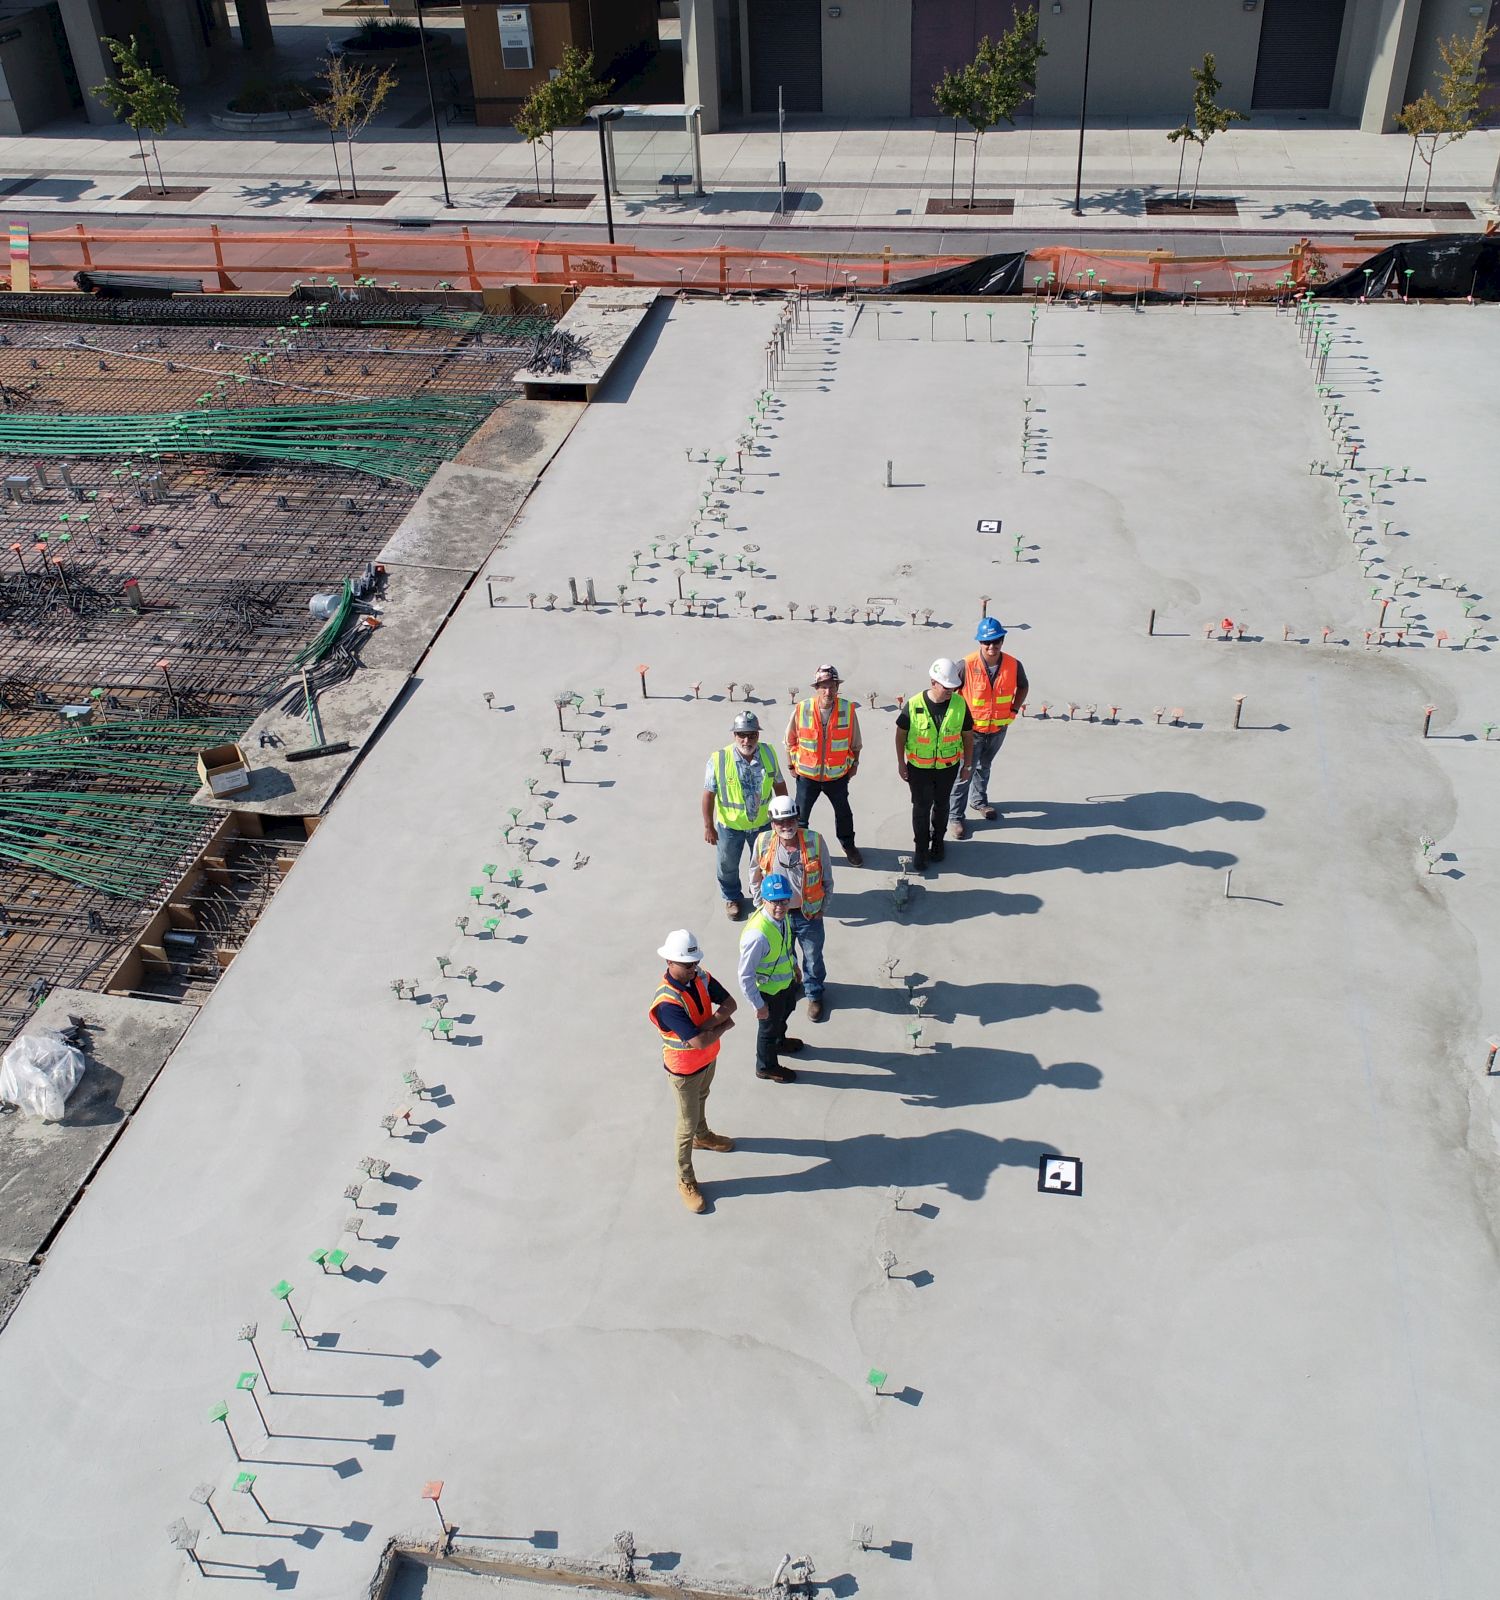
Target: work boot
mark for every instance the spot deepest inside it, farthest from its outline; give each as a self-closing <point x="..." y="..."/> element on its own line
<point x="937" y="849"/>
<point x="960" y="829"/>
<point x="852" y="855"/>
<point x="776" y="1074"/>
<point x="919" y="861"/>
<point x="814" y="1010"/>
<point x="692" y="1195"/>
<point x="987" y="811"/>
<point x="732" y="910"/>
<point x="713" y="1141"/>
<point x="790" y="1046"/>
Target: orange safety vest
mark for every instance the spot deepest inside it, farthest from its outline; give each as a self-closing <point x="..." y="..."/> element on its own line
<point x="824" y="750"/>
<point x="993" y="705"/>
<point x="677" y="1057"/>
<point x="812" y="868"/>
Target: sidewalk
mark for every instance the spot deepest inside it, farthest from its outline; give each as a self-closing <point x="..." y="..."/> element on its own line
<point x="876" y="179"/>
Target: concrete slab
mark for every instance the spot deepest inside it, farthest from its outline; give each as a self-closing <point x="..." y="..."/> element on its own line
<point x="44" y="1165"/>
<point x="605" y="321"/>
<point x="459" y="519"/>
<point x="522" y="436"/>
<point x="414" y="607"/>
<point x="1283" y="1254"/>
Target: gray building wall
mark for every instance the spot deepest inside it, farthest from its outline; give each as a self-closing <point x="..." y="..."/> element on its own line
<point x="867" y="59"/>
<point x="33" y="89"/>
<point x="1440" y="19"/>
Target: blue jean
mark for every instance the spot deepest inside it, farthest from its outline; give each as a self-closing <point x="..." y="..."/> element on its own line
<point x="733" y="842"/>
<point x="808" y="932"/>
<point x="986" y="747"/>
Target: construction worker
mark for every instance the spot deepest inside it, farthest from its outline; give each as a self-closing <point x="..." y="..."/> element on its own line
<point x="995" y="687"/>
<point x="800" y="856"/>
<point x="691" y="1011"/>
<point x="934" y="747"/>
<point x="823" y="744"/>
<point x="768" y="977"/>
<point x="740" y="780"/>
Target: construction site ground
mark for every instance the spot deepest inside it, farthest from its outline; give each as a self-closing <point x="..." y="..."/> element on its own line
<point x="1217" y="964"/>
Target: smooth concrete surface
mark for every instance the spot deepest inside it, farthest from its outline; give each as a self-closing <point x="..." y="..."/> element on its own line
<point x="43" y="1165"/>
<point x="1255" y="1357"/>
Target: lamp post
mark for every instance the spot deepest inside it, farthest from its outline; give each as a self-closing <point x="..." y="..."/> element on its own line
<point x="1083" y="110"/>
<point x="603" y="114"/>
<point x="436" y="132"/>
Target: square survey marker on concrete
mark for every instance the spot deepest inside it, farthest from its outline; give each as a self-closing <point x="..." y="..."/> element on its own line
<point x="1256" y="1358"/>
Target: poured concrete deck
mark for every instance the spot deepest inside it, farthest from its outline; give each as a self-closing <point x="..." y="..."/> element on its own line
<point x="1255" y="1358"/>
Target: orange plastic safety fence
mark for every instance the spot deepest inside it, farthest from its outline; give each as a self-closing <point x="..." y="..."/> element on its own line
<point x="228" y="259"/>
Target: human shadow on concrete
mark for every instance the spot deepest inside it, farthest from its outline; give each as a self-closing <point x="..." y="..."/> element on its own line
<point x="946" y="1079"/>
<point x="989" y="1002"/>
<point x="1099" y="852"/>
<point x="955" y="1159"/>
<point x="1139" y="813"/>
<point x="872" y="906"/>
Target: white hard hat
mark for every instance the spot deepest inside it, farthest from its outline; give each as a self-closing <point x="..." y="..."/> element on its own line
<point x="783" y="807"/>
<point x="681" y="945"/>
<point x="945" y="671"/>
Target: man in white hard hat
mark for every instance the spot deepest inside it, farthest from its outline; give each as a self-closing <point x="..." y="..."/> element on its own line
<point x="691" y="1010"/>
<point x="801" y="857"/>
<point x="737" y="787"/>
<point x="934" y="748"/>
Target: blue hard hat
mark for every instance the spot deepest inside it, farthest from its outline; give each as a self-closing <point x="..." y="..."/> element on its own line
<point x="775" y="888"/>
<point x="989" y="631"/>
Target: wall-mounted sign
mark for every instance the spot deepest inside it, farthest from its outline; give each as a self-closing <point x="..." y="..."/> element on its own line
<point x="515" y="38"/>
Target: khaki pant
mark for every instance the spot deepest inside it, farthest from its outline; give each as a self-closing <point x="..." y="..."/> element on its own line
<point x="692" y="1097"/>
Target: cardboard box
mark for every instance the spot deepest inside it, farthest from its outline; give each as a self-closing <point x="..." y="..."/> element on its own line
<point x="224" y="768"/>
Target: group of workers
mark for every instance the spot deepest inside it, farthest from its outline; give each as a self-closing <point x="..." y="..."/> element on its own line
<point x="947" y="737"/>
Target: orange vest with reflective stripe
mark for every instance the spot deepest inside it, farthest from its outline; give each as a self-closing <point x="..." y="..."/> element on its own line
<point x="993" y="705"/>
<point x="677" y="1057"/>
<point x="812" y="868"/>
<point x="824" y="750"/>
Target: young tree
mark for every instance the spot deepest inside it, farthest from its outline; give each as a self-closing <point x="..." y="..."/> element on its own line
<point x="353" y="95"/>
<point x="1445" y="117"/>
<point x="1208" y="118"/>
<point x="559" y="103"/>
<point x="994" y="86"/>
<point x="141" y="97"/>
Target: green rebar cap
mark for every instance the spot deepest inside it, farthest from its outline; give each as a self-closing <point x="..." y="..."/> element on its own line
<point x="282" y="1290"/>
<point x="247" y="1380"/>
<point x="218" y="1413"/>
<point x="875" y="1377"/>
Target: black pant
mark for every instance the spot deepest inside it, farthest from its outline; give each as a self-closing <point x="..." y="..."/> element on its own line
<point x="837" y="790"/>
<point x="770" y="1030"/>
<point x="930" y="788"/>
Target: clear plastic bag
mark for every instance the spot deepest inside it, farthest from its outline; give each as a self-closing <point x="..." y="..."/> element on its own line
<point x="38" y="1073"/>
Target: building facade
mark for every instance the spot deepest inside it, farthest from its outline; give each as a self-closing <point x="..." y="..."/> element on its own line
<point x="1360" y="60"/>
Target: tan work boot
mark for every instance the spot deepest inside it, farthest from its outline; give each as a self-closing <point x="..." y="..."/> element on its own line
<point x="713" y="1141"/>
<point x="692" y="1195"/>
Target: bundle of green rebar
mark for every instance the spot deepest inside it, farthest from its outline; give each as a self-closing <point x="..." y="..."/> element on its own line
<point x="136" y="750"/>
<point x="406" y="439"/>
<point x="124" y="844"/>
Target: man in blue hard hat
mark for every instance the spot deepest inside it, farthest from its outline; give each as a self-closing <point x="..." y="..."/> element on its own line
<point x="995" y="688"/>
<point x="768" y="977"/>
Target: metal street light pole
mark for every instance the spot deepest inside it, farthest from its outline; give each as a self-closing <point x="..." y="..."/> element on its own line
<point x="1083" y="110"/>
<point x="601" y="116"/>
<point x="436" y="132"/>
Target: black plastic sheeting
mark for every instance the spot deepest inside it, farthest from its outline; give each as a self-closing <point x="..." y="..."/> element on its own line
<point x="1449" y="266"/>
<point x="985" y="275"/>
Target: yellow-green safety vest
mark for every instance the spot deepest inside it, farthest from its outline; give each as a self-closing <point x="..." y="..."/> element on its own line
<point x="730" y="807"/>
<point x="776" y="968"/>
<point x="927" y="743"/>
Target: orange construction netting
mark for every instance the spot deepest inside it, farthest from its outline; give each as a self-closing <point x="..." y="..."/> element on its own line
<point x="229" y="260"/>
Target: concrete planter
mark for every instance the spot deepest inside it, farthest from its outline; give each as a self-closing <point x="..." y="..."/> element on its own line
<point x="264" y="121"/>
<point x="405" y="55"/>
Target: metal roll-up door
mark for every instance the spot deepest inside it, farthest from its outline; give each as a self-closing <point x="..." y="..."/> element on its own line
<point x="1299" y="50"/>
<point x="786" y="48"/>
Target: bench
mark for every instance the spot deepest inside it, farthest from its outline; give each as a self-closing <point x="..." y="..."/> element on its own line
<point x="676" y="179"/>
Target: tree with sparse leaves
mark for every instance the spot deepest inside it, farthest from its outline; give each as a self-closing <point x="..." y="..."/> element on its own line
<point x="140" y="97"/>
<point x="559" y="102"/>
<point x="1208" y="118"/>
<point x="352" y="95"/>
<point x="1445" y="117"/>
<point x="993" y="87"/>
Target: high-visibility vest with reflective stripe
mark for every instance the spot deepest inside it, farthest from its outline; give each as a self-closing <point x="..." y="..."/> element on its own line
<point x="677" y="1057"/>
<point x="993" y="704"/>
<point x="812" y="866"/>
<point x="731" y="809"/>
<point x="824" y="749"/>
<point x="776" y="968"/>
<point x="929" y="744"/>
